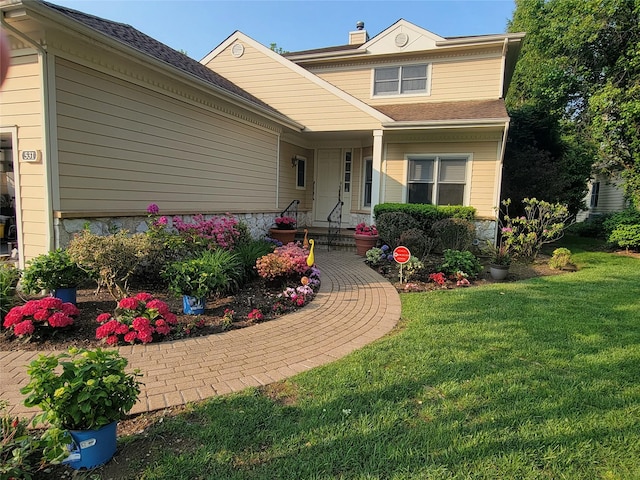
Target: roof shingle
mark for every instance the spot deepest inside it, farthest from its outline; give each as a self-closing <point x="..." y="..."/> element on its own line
<point x="439" y="111"/>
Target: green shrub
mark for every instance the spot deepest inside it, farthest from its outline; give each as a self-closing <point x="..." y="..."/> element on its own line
<point x="418" y="242"/>
<point x="211" y="272"/>
<point x="626" y="236"/>
<point x="542" y="223"/>
<point x="248" y="252"/>
<point x="392" y="225"/>
<point x="426" y="215"/>
<point x="593" y="227"/>
<point x="453" y="234"/>
<point x="630" y="216"/>
<point x="52" y="270"/>
<point x="460" y="261"/>
<point x="114" y="258"/>
<point x="413" y="269"/>
<point x="561" y="258"/>
<point x="9" y="277"/>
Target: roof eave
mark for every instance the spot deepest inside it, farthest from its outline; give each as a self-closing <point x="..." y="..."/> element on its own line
<point x="431" y="124"/>
<point x="73" y="26"/>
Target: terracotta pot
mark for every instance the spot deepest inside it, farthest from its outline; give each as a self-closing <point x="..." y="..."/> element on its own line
<point x="284" y="236"/>
<point x="365" y="243"/>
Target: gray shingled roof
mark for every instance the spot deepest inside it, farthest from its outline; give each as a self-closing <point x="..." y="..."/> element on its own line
<point x="131" y="37"/>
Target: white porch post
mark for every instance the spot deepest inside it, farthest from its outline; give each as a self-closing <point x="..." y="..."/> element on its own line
<point x="377" y="168"/>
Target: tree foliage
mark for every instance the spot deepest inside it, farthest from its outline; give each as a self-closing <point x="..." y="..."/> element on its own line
<point x="579" y="73"/>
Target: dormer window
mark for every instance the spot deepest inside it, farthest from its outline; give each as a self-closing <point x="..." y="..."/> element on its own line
<point x="401" y="80"/>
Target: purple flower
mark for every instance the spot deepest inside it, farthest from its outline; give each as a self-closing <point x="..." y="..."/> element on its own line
<point x="153" y="209"/>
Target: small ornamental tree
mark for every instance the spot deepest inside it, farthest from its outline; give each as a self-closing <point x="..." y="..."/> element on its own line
<point x="542" y="223"/>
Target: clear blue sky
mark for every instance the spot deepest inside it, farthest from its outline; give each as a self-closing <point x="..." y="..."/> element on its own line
<point x="198" y="26"/>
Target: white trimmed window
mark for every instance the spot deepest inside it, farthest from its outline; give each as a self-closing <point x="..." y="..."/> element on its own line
<point x="401" y="80"/>
<point x="438" y="180"/>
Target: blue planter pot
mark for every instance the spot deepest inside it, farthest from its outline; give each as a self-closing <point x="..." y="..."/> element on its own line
<point x="67" y="295"/>
<point x="92" y="448"/>
<point x="193" y="305"/>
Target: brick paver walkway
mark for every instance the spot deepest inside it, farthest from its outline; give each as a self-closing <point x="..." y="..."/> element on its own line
<point x="354" y="307"/>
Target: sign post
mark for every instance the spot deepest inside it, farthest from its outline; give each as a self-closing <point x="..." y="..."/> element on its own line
<point x="401" y="255"/>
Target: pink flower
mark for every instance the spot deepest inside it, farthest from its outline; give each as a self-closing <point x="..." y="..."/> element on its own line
<point x="50" y="303"/>
<point x="60" y="320"/>
<point x="112" y="340"/>
<point x="122" y="329"/>
<point x="130" y="337"/>
<point x="162" y="221"/>
<point x="70" y="309"/>
<point x="140" y="323"/>
<point x="144" y="297"/>
<point x="171" y="318"/>
<point x="103" y="317"/>
<point x="158" y="305"/>
<point x="145" y="336"/>
<point x="24" y="328"/>
<point x="128" y="303"/>
<point x="153" y="209"/>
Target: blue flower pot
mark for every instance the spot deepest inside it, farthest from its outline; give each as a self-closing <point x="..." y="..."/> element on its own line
<point x="193" y="305"/>
<point x="67" y="295"/>
<point x="92" y="448"/>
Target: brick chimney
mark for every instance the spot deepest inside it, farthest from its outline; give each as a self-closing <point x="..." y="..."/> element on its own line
<point x="359" y="36"/>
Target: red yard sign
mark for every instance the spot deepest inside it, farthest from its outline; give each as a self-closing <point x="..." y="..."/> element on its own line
<point x="401" y="255"/>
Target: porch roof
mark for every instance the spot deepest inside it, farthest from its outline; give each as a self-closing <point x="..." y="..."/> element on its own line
<point x="442" y="111"/>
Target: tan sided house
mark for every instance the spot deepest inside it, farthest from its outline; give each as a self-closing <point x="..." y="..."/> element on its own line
<point x="98" y="120"/>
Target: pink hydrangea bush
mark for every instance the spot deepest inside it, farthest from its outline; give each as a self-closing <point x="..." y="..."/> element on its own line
<point x="137" y="319"/>
<point x="285" y="261"/>
<point x="40" y="316"/>
<point x="222" y="231"/>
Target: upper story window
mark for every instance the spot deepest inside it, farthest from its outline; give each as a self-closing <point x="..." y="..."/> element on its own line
<point x="402" y="80"/>
<point x="437" y="180"/>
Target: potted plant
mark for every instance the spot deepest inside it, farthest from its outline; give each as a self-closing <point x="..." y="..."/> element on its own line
<point x="83" y="394"/>
<point x="55" y="272"/>
<point x="285" y="229"/>
<point x="499" y="261"/>
<point x="196" y="278"/>
<point x="366" y="238"/>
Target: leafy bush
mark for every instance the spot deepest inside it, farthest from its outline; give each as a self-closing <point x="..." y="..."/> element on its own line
<point x="630" y="216"/>
<point x="211" y="272"/>
<point x="626" y="236"/>
<point x="52" y="270"/>
<point x="376" y="257"/>
<point x="284" y="262"/>
<point x="542" y="223"/>
<point x="9" y="277"/>
<point x="426" y="215"/>
<point x="460" y="261"/>
<point x="417" y="241"/>
<point x="391" y="226"/>
<point x="453" y="234"/>
<point x="561" y="258"/>
<point x="249" y="252"/>
<point x="413" y="268"/>
<point x="114" y="258"/>
<point x="217" y="232"/>
<point x="593" y="227"/>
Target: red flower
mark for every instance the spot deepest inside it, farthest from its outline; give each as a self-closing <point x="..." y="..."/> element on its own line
<point x="129" y="303"/>
<point x="103" y="317"/>
<point x="144" y="297"/>
<point x="50" y="303"/>
<point x="24" y="328"/>
<point x="29" y="308"/>
<point x="131" y="336"/>
<point x="60" y="320"/>
<point x="70" y="309"/>
<point x="112" y="340"/>
<point x="14" y="316"/>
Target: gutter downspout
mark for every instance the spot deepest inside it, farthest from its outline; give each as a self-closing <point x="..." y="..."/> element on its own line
<point x="503" y="67"/>
<point x="42" y="54"/>
<point x="498" y="188"/>
<point x="278" y="174"/>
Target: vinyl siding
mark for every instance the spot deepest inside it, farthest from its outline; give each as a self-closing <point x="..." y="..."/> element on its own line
<point x="484" y="158"/>
<point x="21" y="105"/>
<point x="610" y="196"/>
<point x="122" y="146"/>
<point x="472" y="79"/>
<point x="290" y="93"/>
<point x="288" y="191"/>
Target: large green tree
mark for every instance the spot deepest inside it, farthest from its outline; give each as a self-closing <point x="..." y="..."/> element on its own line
<point x="578" y="75"/>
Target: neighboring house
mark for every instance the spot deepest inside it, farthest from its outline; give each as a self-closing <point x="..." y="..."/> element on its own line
<point x="99" y="120"/>
<point x="606" y="195"/>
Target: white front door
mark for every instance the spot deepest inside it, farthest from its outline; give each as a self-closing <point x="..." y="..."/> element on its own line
<point x="329" y="185"/>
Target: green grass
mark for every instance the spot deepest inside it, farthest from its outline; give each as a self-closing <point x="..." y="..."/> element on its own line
<point x="532" y="380"/>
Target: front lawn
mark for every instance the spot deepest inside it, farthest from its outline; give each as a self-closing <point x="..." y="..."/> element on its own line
<point x="527" y="380"/>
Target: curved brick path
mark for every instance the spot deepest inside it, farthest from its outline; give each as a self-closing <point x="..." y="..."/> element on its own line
<point x="354" y="307"/>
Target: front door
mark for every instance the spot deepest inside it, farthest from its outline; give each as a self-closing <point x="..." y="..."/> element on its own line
<point x="328" y="183"/>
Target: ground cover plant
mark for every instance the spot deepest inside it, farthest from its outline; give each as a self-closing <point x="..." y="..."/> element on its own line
<point x="509" y="380"/>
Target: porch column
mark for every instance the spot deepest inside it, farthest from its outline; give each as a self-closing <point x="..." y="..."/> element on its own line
<point x="376" y="174"/>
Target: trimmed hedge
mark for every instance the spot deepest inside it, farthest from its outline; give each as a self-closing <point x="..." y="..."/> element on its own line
<point x="426" y="214"/>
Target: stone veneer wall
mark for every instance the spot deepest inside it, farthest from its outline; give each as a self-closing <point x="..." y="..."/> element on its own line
<point x="258" y="224"/>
